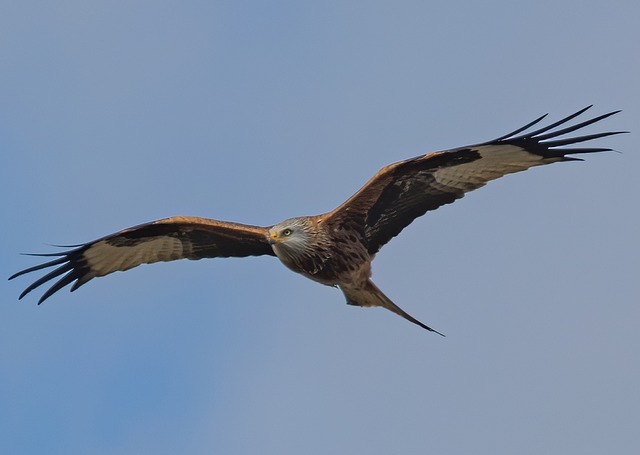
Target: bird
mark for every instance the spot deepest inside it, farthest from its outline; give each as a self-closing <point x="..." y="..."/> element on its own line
<point x="335" y="248"/>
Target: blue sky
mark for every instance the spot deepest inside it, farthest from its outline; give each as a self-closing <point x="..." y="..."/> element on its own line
<point x="117" y="113"/>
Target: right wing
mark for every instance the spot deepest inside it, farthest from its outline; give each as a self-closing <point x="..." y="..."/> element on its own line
<point x="403" y="191"/>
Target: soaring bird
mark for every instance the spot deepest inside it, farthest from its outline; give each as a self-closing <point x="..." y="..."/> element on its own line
<point x="335" y="248"/>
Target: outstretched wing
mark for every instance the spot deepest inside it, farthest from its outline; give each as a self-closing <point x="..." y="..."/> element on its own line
<point x="403" y="191"/>
<point x="168" y="239"/>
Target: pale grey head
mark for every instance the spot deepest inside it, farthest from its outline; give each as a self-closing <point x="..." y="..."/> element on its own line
<point x="292" y="238"/>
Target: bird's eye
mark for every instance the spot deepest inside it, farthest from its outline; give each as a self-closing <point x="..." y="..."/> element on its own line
<point x="287" y="232"/>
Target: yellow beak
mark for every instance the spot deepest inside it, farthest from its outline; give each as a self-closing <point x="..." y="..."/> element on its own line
<point x="274" y="238"/>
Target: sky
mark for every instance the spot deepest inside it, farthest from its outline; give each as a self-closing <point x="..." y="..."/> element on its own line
<point x="117" y="113"/>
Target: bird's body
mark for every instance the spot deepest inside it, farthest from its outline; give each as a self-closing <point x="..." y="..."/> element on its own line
<point x="315" y="256"/>
<point x="335" y="248"/>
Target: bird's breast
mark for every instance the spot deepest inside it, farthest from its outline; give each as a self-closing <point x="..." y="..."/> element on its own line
<point x="329" y="264"/>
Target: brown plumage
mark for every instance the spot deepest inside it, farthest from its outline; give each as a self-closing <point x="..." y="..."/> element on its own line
<point x="335" y="248"/>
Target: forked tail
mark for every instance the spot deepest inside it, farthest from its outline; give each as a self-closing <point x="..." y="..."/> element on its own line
<point x="370" y="295"/>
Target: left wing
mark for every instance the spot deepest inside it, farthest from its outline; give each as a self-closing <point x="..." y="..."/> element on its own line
<point x="403" y="191"/>
<point x="168" y="239"/>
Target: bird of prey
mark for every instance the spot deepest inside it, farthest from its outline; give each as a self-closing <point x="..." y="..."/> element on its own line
<point x="335" y="248"/>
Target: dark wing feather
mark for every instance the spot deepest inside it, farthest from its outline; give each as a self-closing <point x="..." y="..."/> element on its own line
<point x="403" y="191"/>
<point x="168" y="239"/>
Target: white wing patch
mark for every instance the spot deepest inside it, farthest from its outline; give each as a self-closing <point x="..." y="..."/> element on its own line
<point x="495" y="161"/>
<point x="103" y="258"/>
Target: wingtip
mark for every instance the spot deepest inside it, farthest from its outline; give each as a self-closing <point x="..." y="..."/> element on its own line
<point x="24" y="293"/>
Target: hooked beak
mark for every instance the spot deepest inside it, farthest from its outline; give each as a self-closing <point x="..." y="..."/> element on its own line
<point x="273" y="238"/>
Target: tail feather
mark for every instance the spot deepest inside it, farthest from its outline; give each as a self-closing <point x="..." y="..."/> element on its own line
<point x="370" y="295"/>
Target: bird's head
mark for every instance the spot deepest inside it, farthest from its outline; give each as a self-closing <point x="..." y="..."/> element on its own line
<point x="291" y="237"/>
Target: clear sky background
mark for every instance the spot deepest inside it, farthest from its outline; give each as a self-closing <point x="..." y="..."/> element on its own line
<point x="117" y="113"/>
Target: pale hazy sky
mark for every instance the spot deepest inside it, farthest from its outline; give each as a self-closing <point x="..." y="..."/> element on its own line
<point x="117" y="113"/>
